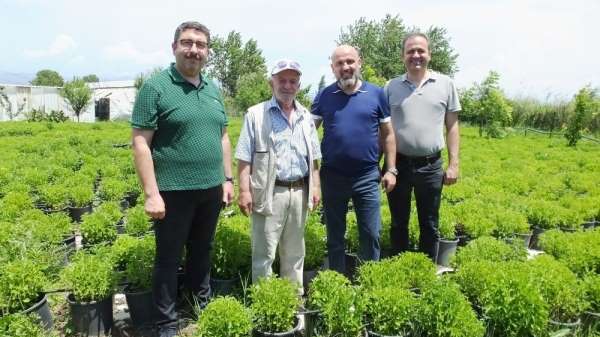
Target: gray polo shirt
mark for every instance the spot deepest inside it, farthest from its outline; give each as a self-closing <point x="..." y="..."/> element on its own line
<point x="418" y="114"/>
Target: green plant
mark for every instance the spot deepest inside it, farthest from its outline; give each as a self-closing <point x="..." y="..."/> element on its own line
<point x="121" y="250"/>
<point x="323" y="288"/>
<point x="407" y="270"/>
<point x="315" y="243"/>
<point x="490" y="249"/>
<point x="80" y="195"/>
<point x="20" y="325"/>
<point x="113" y="189"/>
<point x="224" y="317"/>
<point x="584" y="104"/>
<point x="445" y="312"/>
<point x="447" y="226"/>
<point x="89" y="277"/>
<point x="97" y="227"/>
<point x="512" y="305"/>
<point x="137" y="222"/>
<point x="140" y="263"/>
<point x="52" y="228"/>
<point x="390" y="311"/>
<point x="559" y="287"/>
<point x="78" y="94"/>
<point x="475" y="278"/>
<point x="510" y="222"/>
<point x="13" y="204"/>
<point x="591" y="285"/>
<point x="274" y="304"/>
<point x="231" y="253"/>
<point x="54" y="196"/>
<point x="21" y="283"/>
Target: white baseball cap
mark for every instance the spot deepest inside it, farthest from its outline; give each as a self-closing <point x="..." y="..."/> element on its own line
<point x="286" y="64"/>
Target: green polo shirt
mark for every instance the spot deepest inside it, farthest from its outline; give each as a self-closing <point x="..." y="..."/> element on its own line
<point x="188" y="123"/>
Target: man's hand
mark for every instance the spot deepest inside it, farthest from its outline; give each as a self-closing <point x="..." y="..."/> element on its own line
<point x="227" y="193"/>
<point x="245" y="203"/>
<point x="451" y="175"/>
<point x="155" y="207"/>
<point x="316" y="197"/>
<point x="388" y="182"/>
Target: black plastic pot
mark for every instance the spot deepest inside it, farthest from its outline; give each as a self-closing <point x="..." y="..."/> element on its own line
<point x="290" y="333"/>
<point x="120" y="226"/>
<point x="307" y="277"/>
<point x="535" y="236"/>
<point x="375" y="334"/>
<point x="41" y="309"/>
<point x="141" y="306"/>
<point x="352" y="263"/>
<point x="131" y="198"/>
<point x="446" y="248"/>
<point x="77" y="212"/>
<point x="124" y="204"/>
<point x="91" y="318"/>
<point x="569" y="328"/>
<point x="589" y="225"/>
<point x="525" y="238"/>
<point x="223" y="286"/>
<point x="591" y="321"/>
<point x="311" y="321"/>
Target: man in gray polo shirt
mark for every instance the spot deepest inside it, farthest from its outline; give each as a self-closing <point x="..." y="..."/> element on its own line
<point x="422" y="102"/>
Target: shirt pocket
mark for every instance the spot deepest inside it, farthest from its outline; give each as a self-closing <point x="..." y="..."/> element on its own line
<point x="259" y="177"/>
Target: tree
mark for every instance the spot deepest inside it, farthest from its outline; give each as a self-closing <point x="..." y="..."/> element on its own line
<point x="380" y="45"/>
<point x="139" y="80"/>
<point x="230" y="59"/>
<point x="252" y="88"/>
<point x="91" y="78"/>
<point x="77" y="94"/>
<point x="584" y="105"/>
<point x="304" y="98"/>
<point x="486" y="105"/>
<point x="48" y="78"/>
<point x="322" y="83"/>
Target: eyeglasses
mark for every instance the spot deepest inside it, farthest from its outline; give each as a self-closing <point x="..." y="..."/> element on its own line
<point x="287" y="65"/>
<point x="188" y="44"/>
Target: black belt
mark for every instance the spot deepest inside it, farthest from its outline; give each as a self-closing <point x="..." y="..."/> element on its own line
<point x="419" y="160"/>
<point x="291" y="184"/>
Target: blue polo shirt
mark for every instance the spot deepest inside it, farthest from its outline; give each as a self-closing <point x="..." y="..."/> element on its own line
<point x="350" y="143"/>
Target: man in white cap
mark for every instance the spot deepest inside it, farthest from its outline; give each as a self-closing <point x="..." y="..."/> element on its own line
<point x="278" y="152"/>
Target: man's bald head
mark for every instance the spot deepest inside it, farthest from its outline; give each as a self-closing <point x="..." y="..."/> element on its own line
<point x="345" y="64"/>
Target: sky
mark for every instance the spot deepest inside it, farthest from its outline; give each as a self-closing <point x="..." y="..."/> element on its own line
<point x="546" y="49"/>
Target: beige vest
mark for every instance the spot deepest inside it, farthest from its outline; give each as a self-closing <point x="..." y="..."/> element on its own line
<point x="262" y="178"/>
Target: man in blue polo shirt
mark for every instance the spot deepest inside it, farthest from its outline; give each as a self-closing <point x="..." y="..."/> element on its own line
<point x="356" y="120"/>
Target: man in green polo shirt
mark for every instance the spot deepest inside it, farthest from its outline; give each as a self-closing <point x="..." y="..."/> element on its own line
<point x="183" y="159"/>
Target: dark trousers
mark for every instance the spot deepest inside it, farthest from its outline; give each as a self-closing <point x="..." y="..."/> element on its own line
<point x="364" y="191"/>
<point x="425" y="177"/>
<point x="190" y="221"/>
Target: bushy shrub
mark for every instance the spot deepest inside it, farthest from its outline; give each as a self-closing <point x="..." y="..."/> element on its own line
<point x="21" y="283"/>
<point x="89" y="277"/>
<point x="224" y="317"/>
<point x="445" y="312"/>
<point x="137" y="222"/>
<point x="97" y="228"/>
<point x="390" y="311"/>
<point x="232" y="252"/>
<point x="20" y="325"/>
<point x="141" y="263"/>
<point x="274" y="304"/>
<point x="490" y="249"/>
<point x="407" y="270"/>
<point x="323" y="288"/>
<point x="591" y="285"/>
<point x="315" y="239"/>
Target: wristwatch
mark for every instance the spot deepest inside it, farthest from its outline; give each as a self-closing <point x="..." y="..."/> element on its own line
<point x="229" y="179"/>
<point x="393" y="171"/>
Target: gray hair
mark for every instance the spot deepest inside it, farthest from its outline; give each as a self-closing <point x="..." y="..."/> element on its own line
<point x="192" y="25"/>
<point x="412" y="35"/>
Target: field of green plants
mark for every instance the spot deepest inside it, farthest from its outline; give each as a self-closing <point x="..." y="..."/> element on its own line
<point x="59" y="181"/>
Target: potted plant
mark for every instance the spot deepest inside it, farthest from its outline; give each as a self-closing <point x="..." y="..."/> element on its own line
<point x="444" y="311"/>
<point x="591" y="284"/>
<point x="14" y="204"/>
<point x="113" y="189"/>
<point x="315" y="247"/>
<point x="21" y="325"/>
<point x="490" y="249"/>
<point x="352" y="245"/>
<point x="80" y="197"/>
<point x="114" y="212"/>
<point x="97" y="228"/>
<point x="509" y="302"/>
<point x="121" y="250"/>
<point x="335" y="306"/>
<point x="224" y="317"/>
<point x="22" y="284"/>
<point x="274" y="304"/>
<point x="137" y="222"/>
<point x="560" y="289"/>
<point x="54" y="197"/>
<point x="91" y="282"/>
<point x="231" y="254"/>
<point x="512" y="225"/>
<point x="139" y="267"/>
<point x="448" y="242"/>
<point x="390" y="311"/>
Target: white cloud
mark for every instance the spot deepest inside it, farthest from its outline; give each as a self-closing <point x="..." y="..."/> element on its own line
<point x="61" y="44"/>
<point x="125" y="50"/>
